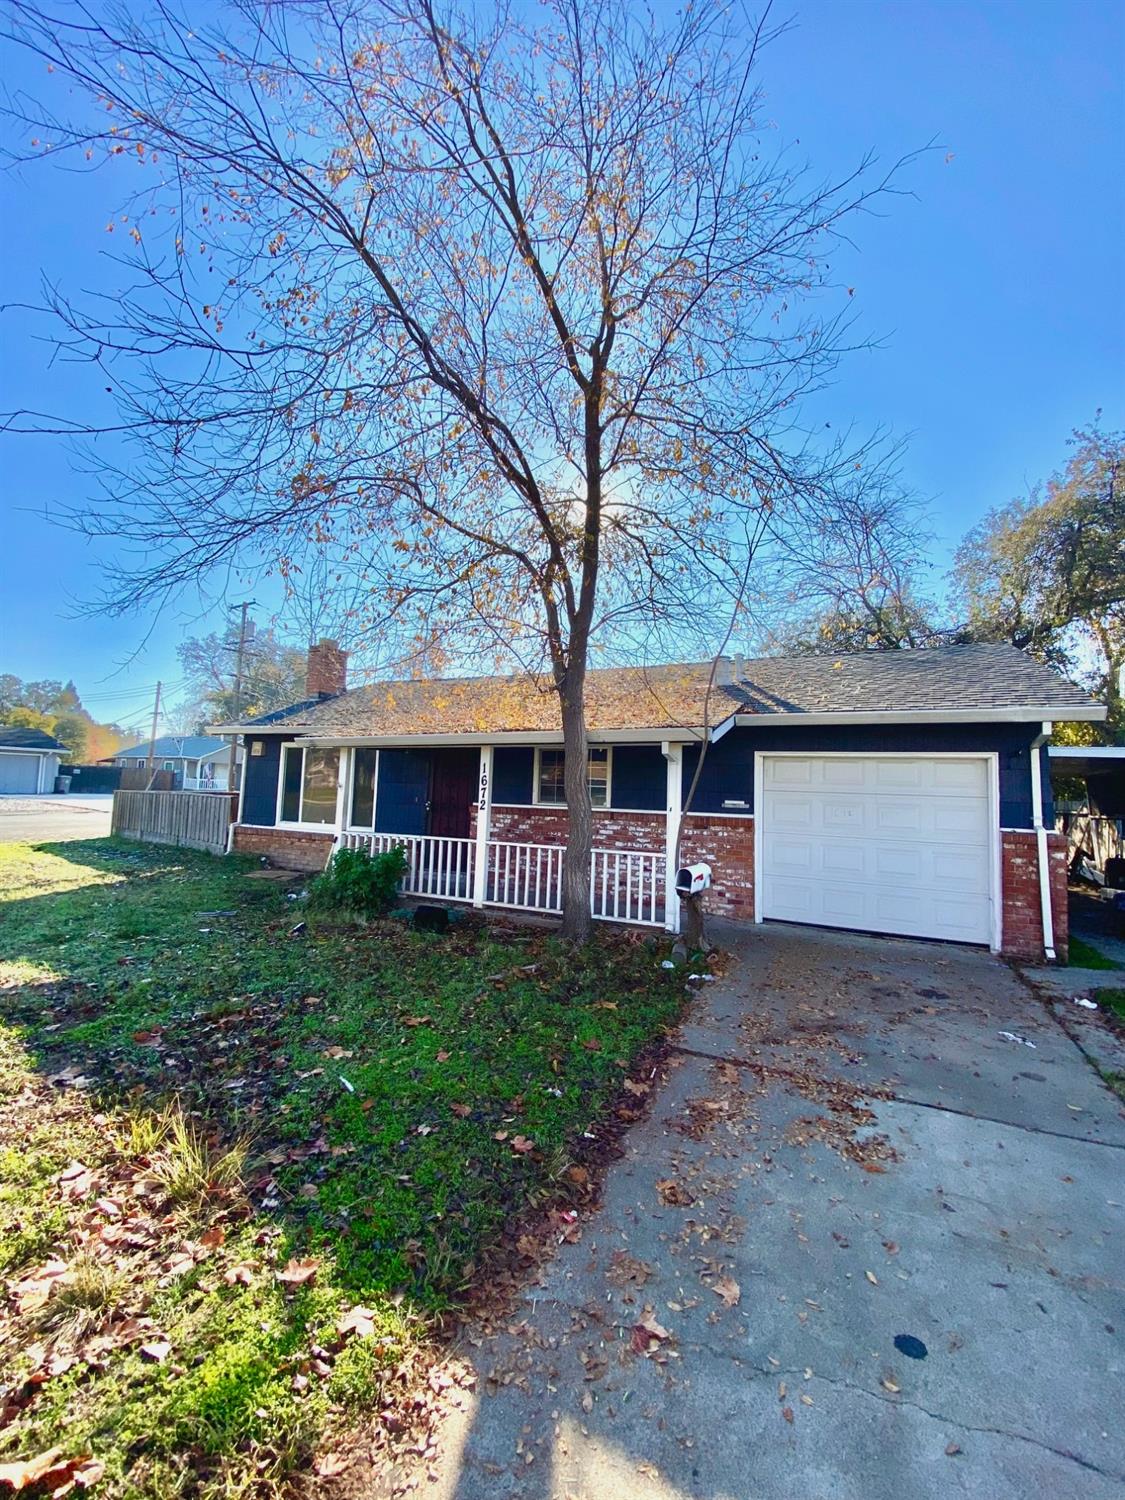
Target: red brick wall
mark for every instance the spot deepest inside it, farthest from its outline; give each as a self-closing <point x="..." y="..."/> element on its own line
<point x="1022" y="919"/>
<point x="725" y="843"/>
<point x="287" y="848"/>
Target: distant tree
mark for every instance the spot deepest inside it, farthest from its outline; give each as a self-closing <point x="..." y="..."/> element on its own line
<point x="1048" y="573"/>
<point x="855" y="580"/>
<point x="72" y="730"/>
<point x="11" y="689"/>
<point x="24" y="717"/>
<point x="273" y="674"/>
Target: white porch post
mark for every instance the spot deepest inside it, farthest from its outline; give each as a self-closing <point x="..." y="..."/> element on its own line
<point x="674" y="760"/>
<point x="484" y="826"/>
<point x="342" y="778"/>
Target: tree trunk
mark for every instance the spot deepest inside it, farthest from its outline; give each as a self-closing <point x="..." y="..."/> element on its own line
<point x="577" y="922"/>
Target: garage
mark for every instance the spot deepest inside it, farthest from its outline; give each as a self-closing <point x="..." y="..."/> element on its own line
<point x="19" y="774"/>
<point x="899" y="844"/>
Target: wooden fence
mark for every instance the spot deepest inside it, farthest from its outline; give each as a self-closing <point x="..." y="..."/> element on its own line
<point x="194" y="820"/>
<point x="1092" y="838"/>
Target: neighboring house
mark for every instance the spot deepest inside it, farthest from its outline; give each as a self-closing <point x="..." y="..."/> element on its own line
<point x="900" y="792"/>
<point x="29" y="761"/>
<point x="200" y="762"/>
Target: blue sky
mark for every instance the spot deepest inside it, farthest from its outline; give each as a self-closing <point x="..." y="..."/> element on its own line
<point x="997" y="290"/>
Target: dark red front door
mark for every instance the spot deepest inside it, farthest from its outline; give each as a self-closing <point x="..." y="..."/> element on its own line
<point x="453" y="790"/>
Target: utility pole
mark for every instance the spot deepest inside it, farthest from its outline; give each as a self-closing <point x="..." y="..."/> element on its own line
<point x="245" y="606"/>
<point x="152" y="736"/>
<point x="232" y="773"/>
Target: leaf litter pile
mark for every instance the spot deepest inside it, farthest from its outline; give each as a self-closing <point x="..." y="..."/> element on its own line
<point x="249" y="1167"/>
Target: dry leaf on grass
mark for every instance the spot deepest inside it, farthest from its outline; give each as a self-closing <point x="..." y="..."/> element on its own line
<point x="51" y="1473"/>
<point x="462" y="1111"/>
<point x="329" y="1465"/>
<point x="522" y="1144"/>
<point x="242" y="1273"/>
<point x="358" y="1320"/>
<point x="297" y="1272"/>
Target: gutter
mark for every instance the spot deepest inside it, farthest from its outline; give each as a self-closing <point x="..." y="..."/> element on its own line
<point x="1014" y="715"/>
<point x="1041" y="843"/>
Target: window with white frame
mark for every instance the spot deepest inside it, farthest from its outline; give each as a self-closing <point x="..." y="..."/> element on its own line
<point x="308" y="785"/>
<point x="365" y="770"/>
<point x="550" y="770"/>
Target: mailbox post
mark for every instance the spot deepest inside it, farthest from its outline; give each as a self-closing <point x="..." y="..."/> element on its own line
<point x="691" y="882"/>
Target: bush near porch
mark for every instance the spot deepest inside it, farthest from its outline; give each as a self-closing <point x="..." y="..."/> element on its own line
<point x="246" y="1166"/>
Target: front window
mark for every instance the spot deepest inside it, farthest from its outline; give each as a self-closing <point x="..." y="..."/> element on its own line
<point x="308" y="785"/>
<point x="550" y="788"/>
<point x="363" y="788"/>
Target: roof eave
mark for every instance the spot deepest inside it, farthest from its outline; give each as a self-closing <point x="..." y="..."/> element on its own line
<point x="1014" y="714"/>
<point x="681" y="734"/>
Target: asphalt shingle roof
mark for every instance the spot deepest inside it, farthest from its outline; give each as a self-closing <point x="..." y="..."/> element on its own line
<point x="16" y="737"/>
<point x="944" y="677"/>
<point x="981" y="677"/>
<point x="172" y="745"/>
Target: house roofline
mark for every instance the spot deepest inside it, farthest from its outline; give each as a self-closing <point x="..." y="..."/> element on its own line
<point x="1017" y="714"/>
<point x="681" y="734"/>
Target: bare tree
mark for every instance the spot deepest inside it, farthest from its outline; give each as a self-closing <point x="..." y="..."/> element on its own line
<point x="517" y="316"/>
<point x="853" y="578"/>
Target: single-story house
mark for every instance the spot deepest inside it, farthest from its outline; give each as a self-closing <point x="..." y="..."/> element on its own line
<point x="200" y="762"/>
<point x="29" y="761"/>
<point x="898" y="792"/>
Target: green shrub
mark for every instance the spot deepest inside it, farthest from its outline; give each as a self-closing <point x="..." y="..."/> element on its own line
<point x="361" y="881"/>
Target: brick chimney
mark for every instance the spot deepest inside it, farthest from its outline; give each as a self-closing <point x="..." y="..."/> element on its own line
<point x="327" y="672"/>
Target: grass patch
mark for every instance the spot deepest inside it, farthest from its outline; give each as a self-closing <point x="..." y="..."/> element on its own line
<point x="1112" y="1001"/>
<point x="243" y="1169"/>
<point x="1083" y="955"/>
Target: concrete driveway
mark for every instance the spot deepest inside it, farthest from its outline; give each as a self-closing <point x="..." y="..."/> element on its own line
<point x="34" y="820"/>
<point x="785" y="1297"/>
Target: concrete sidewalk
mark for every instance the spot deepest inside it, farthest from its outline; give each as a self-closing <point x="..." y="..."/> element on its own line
<point x="785" y="1297"/>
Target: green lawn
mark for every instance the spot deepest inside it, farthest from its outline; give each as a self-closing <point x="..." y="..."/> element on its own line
<point x="220" y="1137"/>
<point x="1083" y="955"/>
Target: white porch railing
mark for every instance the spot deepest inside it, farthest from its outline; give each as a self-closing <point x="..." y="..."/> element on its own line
<point x="527" y="877"/>
<point x="435" y="866"/>
<point x="626" y="885"/>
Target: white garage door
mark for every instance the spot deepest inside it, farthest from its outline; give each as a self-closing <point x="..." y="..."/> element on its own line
<point x="893" y="843"/>
<point x="19" y="773"/>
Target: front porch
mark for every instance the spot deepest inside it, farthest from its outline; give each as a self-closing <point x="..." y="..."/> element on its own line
<point x="626" y="885"/>
<point x="436" y="803"/>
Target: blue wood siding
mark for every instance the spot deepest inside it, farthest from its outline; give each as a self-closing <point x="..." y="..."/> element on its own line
<point x="404" y="791"/>
<point x="259" y="801"/>
<point x="512" y="770"/>
<point x="640" y="778"/>
<point x="728" y="770"/>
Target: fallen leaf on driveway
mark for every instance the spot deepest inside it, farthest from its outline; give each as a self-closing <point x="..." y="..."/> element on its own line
<point x="787" y="1413"/>
<point x="728" y="1289"/>
<point x="952" y="1450"/>
<point x="647" y="1333"/>
<point x="297" y="1272"/>
<point x="872" y="1278"/>
<point x="674" y="1193"/>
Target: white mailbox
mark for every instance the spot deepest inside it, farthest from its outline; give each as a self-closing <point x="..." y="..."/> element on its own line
<point x="692" y="879"/>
